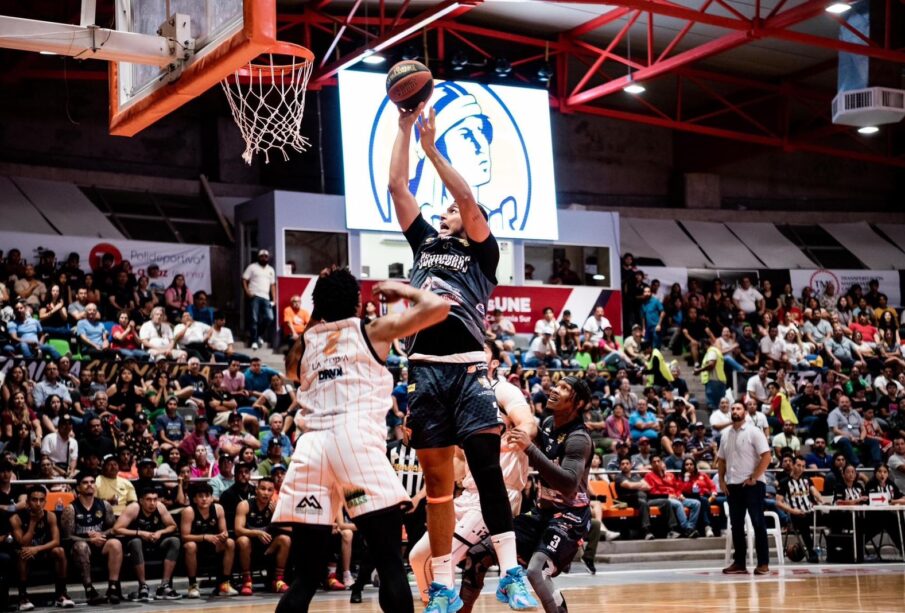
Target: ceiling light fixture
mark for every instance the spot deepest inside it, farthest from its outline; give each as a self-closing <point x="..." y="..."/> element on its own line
<point x="373" y="58"/>
<point x="632" y="87"/>
<point x="837" y="8"/>
<point x="502" y="68"/>
<point x="459" y="61"/>
<point x="545" y="72"/>
<point x="868" y="130"/>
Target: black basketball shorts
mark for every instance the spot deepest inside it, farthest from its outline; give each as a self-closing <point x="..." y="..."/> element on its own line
<point x="449" y="402"/>
<point x="555" y="533"/>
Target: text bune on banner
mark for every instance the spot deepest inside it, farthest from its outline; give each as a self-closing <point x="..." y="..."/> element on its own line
<point x="192" y="261"/>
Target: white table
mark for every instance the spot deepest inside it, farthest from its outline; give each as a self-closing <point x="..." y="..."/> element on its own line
<point x="854" y="509"/>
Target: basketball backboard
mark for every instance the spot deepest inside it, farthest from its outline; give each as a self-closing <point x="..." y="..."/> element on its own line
<point x="213" y="38"/>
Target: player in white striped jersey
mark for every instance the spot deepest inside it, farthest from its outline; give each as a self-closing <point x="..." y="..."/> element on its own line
<point x="344" y="393"/>
<point x="470" y="528"/>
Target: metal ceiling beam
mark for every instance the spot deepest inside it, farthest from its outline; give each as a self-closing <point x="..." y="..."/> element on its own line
<point x="445" y="11"/>
<point x="793" y="16"/>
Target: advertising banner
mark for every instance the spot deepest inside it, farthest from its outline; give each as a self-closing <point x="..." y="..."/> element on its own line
<point x="192" y="261"/>
<point x="523" y="305"/>
<point x="844" y="279"/>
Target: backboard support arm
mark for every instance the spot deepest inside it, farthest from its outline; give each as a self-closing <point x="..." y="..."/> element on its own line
<point x="86" y="41"/>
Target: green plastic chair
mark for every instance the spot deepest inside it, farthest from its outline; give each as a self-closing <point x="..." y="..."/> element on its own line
<point x="60" y="345"/>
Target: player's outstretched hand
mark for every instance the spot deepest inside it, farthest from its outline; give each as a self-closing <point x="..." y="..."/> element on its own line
<point x="408" y="118"/>
<point x="391" y="291"/>
<point x="427" y="127"/>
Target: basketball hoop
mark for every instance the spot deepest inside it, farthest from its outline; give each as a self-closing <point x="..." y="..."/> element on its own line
<point x="267" y="101"/>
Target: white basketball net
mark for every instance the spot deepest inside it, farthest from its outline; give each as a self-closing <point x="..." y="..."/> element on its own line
<point x="267" y="103"/>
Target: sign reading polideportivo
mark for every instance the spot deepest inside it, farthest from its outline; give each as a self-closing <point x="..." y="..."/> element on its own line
<point x="497" y="137"/>
<point x="191" y="261"/>
<point x="818" y="279"/>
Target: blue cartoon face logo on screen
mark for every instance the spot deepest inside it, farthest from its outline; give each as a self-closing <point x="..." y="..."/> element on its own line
<point x="481" y="138"/>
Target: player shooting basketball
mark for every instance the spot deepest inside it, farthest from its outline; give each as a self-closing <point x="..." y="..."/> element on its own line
<point x="345" y="393"/>
<point x="451" y="401"/>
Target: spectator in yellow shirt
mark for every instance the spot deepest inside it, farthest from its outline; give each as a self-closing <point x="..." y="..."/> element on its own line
<point x="112" y="488"/>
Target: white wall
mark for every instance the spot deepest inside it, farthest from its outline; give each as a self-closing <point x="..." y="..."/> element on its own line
<point x="379" y="250"/>
<point x="376" y="251"/>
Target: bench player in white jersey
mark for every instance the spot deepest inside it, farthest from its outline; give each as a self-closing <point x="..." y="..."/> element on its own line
<point x="470" y="530"/>
<point x="345" y="393"/>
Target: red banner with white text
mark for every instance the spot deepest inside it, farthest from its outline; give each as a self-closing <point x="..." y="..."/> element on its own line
<point x="523" y="305"/>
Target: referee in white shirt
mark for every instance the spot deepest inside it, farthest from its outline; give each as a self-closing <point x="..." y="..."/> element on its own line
<point x="743" y="459"/>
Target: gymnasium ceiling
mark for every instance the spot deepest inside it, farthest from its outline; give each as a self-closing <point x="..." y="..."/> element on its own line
<point x="759" y="72"/>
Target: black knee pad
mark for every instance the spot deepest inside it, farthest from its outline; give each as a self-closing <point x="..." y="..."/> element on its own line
<point x="483" y="454"/>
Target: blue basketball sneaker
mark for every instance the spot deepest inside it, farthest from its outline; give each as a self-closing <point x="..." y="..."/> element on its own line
<point x="513" y="589"/>
<point x="442" y="599"/>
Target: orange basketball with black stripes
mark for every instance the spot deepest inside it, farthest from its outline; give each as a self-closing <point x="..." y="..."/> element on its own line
<point x="409" y="83"/>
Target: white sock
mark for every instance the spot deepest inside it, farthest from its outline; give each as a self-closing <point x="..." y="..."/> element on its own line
<point x="557" y="596"/>
<point x="347" y="575"/>
<point x="443" y="570"/>
<point x="504" y="545"/>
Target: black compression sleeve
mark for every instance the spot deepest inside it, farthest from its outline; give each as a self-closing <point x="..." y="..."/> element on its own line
<point x="566" y="476"/>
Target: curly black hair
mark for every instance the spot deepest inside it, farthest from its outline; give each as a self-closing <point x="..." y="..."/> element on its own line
<point x="336" y="295"/>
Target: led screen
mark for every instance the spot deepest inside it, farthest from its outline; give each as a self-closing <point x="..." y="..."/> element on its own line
<point x="497" y="137"/>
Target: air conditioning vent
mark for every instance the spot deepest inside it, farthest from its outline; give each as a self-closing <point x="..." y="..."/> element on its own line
<point x="872" y="106"/>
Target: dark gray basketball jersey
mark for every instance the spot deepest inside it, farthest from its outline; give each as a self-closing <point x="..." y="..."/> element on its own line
<point x="461" y="272"/>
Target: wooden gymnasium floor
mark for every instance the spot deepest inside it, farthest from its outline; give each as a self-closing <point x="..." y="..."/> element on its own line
<point x="819" y="588"/>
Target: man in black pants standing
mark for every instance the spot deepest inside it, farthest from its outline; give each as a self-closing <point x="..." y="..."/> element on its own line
<point x="548" y="535"/>
<point x="743" y="458"/>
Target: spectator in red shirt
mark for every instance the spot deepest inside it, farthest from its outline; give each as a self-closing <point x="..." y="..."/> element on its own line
<point x="698" y="486"/>
<point x="868" y="332"/>
<point x="665" y="486"/>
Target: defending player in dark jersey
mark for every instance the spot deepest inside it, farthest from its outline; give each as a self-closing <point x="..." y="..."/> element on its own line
<point x="88" y="524"/>
<point x="255" y="537"/>
<point x="148" y="529"/>
<point x="38" y="538"/>
<point x="450" y="398"/>
<point x="548" y="535"/>
<point x="203" y="529"/>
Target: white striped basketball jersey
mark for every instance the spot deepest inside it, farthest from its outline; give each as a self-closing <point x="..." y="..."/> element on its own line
<point x="513" y="463"/>
<point x="341" y="379"/>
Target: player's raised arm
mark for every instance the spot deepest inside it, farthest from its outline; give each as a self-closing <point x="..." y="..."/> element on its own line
<point x="476" y="227"/>
<point x="426" y="310"/>
<point x="403" y="201"/>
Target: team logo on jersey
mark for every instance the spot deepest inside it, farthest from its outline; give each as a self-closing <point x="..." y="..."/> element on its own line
<point x="332" y="341"/>
<point x="98" y="514"/>
<point x="355" y="497"/>
<point x="309" y="504"/>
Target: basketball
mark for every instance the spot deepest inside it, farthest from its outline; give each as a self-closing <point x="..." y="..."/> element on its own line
<point x="409" y="83"/>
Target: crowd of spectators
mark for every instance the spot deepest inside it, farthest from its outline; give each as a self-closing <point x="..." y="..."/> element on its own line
<point x="125" y="442"/>
<point x="822" y="373"/>
<point x="50" y="310"/>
